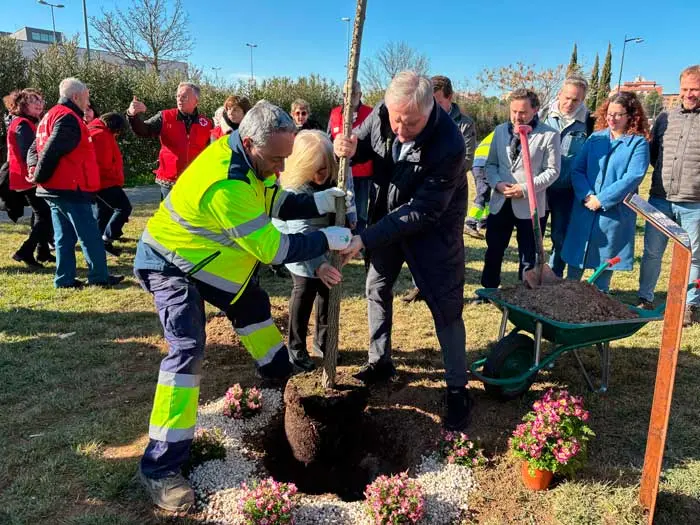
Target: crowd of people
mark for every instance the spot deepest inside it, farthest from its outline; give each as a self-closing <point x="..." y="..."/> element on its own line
<point x="257" y="186"/>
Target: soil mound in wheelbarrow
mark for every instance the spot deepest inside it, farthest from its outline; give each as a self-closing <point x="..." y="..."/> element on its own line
<point x="568" y="302"/>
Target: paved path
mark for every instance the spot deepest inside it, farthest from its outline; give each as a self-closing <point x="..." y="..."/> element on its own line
<point x="137" y="195"/>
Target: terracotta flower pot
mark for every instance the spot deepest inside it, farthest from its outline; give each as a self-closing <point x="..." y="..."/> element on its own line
<point x="540" y="481"/>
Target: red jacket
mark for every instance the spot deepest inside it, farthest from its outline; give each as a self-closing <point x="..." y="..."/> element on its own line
<point x="177" y="148"/>
<point x="76" y="170"/>
<point x="17" y="161"/>
<point x="109" y="158"/>
<point x="335" y="126"/>
<point x="217" y="133"/>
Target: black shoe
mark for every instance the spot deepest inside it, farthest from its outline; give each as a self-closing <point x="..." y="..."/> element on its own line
<point x="459" y="408"/>
<point x="27" y="259"/>
<point x="476" y="300"/>
<point x="414" y="295"/>
<point x="304" y="362"/>
<point x="473" y="232"/>
<point x="112" y="280"/>
<point x="46" y="257"/>
<point x="380" y="372"/>
<point x="77" y="283"/>
<point x="111" y="249"/>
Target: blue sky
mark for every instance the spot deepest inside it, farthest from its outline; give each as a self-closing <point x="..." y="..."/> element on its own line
<point x="459" y="37"/>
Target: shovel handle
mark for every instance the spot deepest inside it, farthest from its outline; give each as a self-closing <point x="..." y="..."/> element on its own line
<point x="607" y="264"/>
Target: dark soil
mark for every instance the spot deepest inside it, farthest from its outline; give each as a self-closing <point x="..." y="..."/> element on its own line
<point x="567" y="301"/>
<point x="320" y="423"/>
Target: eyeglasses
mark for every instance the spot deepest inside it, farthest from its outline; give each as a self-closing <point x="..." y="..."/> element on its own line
<point x="616" y="115"/>
<point x="300" y="113"/>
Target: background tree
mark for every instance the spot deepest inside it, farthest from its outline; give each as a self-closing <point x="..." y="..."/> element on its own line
<point x="13" y="67"/>
<point x="604" y="83"/>
<point x="592" y="98"/>
<point x="653" y="104"/>
<point x="146" y="32"/>
<point x="573" y="68"/>
<point x="378" y="70"/>
<point x="545" y="81"/>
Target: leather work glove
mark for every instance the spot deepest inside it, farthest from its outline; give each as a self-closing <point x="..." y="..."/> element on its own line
<point x="325" y="200"/>
<point x="338" y="237"/>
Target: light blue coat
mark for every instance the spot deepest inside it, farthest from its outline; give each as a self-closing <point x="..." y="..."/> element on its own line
<point x="609" y="169"/>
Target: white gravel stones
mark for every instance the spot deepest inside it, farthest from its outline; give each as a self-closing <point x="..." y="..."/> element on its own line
<point x="446" y="487"/>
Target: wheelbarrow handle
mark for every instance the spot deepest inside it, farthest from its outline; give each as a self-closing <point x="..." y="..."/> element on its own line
<point x="607" y="264"/>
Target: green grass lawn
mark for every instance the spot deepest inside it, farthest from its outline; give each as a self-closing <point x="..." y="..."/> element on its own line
<point x="78" y="371"/>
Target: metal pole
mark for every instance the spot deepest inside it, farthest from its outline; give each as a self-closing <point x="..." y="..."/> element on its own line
<point x="87" y="37"/>
<point x="622" y="61"/>
<point x="53" y="22"/>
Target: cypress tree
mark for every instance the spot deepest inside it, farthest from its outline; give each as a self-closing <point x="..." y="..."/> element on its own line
<point x="593" y="86"/>
<point x="604" y="84"/>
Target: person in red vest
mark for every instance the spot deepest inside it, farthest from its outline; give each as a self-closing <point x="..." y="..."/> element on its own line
<point x="25" y="107"/>
<point x="62" y="164"/>
<point x="361" y="173"/>
<point x="235" y="109"/>
<point x="113" y="206"/>
<point x="183" y="132"/>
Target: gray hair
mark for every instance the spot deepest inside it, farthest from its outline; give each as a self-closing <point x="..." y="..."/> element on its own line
<point x="191" y="85"/>
<point x="301" y="104"/>
<point x="408" y="87"/>
<point x="265" y="119"/>
<point x="71" y="86"/>
<point x="578" y="81"/>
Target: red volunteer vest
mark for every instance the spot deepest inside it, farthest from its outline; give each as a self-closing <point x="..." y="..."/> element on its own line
<point x="336" y="126"/>
<point x="17" y="162"/>
<point x="109" y="158"/>
<point x="78" y="169"/>
<point x="177" y="148"/>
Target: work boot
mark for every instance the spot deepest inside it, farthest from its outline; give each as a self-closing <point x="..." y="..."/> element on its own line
<point x="112" y="280"/>
<point x="304" y="362"/>
<point x="276" y="371"/>
<point x="414" y="295"/>
<point x="643" y="304"/>
<point x="471" y="231"/>
<point x="379" y="372"/>
<point x="77" y="283"/>
<point x="459" y="407"/>
<point x="28" y="259"/>
<point x="171" y="493"/>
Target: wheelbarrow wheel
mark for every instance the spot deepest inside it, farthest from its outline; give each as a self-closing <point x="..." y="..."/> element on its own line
<point x="510" y="357"/>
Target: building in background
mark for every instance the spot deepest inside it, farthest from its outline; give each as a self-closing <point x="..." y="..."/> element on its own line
<point x="33" y="40"/>
<point x="640" y="86"/>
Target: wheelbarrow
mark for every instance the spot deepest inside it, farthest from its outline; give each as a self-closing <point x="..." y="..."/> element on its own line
<point x="515" y="360"/>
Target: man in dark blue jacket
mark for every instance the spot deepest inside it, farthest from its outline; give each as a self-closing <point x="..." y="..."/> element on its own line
<point x="416" y="216"/>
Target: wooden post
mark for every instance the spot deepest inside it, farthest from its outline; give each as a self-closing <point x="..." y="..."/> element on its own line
<point x="330" y="357"/>
<point x="668" y="353"/>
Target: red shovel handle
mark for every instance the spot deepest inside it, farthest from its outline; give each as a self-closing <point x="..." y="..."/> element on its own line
<point x="530" y="181"/>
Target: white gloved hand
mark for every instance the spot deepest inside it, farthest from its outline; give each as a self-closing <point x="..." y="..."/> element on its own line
<point x="325" y="200"/>
<point x="337" y="236"/>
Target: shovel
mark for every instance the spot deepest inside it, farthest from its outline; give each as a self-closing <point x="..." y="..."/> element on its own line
<point x="541" y="273"/>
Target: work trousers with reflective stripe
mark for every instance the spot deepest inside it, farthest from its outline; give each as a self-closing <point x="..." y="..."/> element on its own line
<point x="180" y="304"/>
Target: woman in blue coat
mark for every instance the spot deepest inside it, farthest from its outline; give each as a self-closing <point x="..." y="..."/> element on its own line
<point x="611" y="164"/>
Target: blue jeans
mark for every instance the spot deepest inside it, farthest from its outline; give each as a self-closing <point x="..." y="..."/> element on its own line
<point x="560" y="203"/>
<point x="687" y="216"/>
<point x="74" y="221"/>
<point x="602" y="282"/>
<point x="362" y="185"/>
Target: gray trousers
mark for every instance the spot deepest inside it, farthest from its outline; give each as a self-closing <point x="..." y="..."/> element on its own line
<point x="384" y="267"/>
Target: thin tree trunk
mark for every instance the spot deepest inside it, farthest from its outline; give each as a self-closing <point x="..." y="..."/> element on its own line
<point x="331" y="354"/>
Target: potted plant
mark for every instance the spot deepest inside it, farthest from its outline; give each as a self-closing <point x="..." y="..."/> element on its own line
<point x="242" y="402"/>
<point x="553" y="438"/>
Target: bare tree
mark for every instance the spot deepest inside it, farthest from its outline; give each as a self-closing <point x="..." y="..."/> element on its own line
<point x="545" y="81"/>
<point x="146" y="32"/>
<point x="391" y="59"/>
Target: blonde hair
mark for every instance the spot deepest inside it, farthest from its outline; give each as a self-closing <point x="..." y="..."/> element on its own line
<point x="312" y="151"/>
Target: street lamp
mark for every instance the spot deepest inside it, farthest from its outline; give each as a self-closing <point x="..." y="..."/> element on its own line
<point x="53" y="20"/>
<point x="634" y="39"/>
<point x="87" y="38"/>
<point x="346" y="19"/>
<point x="251" y="46"/>
<point x="216" y="74"/>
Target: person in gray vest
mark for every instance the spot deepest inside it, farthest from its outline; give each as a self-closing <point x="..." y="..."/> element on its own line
<point x="675" y="188"/>
<point x="569" y="115"/>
